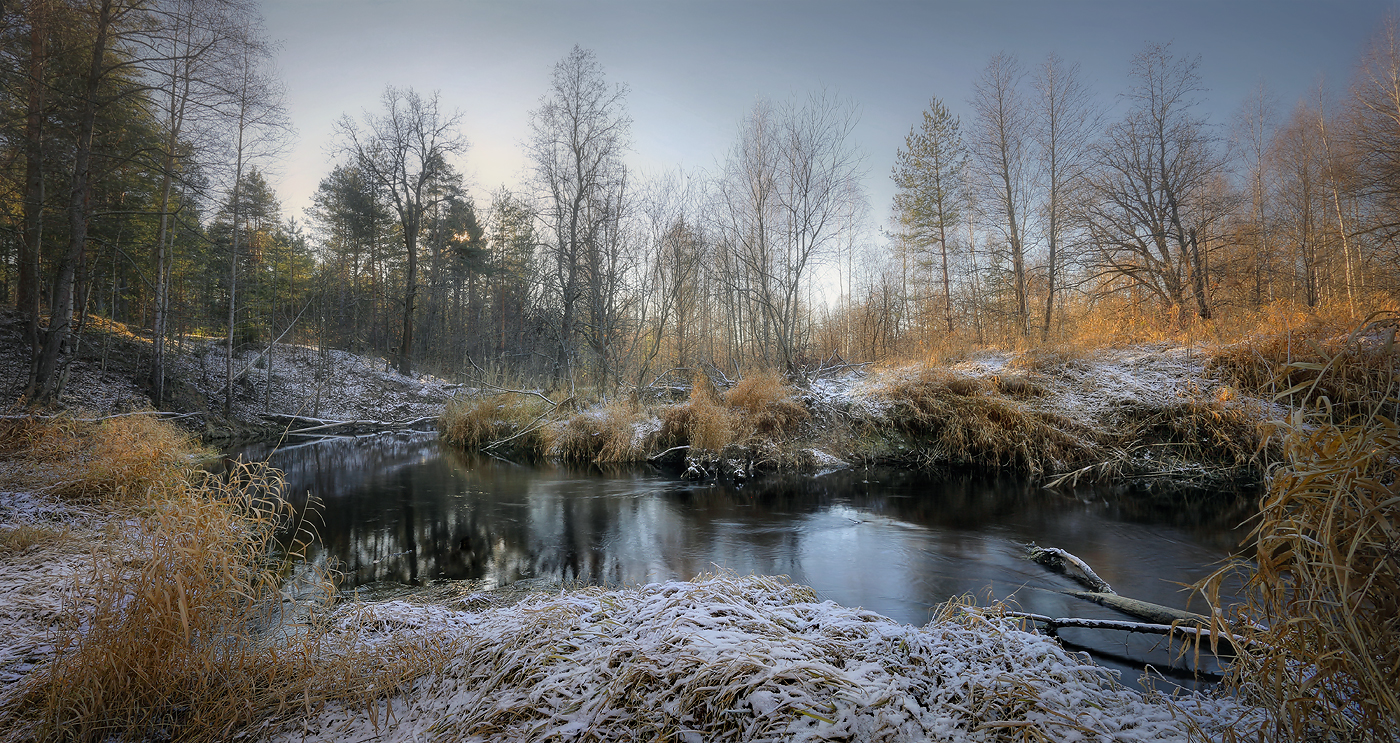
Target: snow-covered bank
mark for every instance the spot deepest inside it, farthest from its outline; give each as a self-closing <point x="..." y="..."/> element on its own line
<point x="742" y="659"/>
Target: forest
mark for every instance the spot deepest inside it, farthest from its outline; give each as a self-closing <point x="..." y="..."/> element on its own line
<point x="136" y="135"/>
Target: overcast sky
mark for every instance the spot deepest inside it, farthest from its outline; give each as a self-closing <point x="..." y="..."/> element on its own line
<point x="693" y="68"/>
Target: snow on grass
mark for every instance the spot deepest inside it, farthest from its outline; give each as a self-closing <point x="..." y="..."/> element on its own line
<point x="743" y="659"/>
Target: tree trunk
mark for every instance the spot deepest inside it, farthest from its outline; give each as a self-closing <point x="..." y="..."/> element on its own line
<point x="46" y="380"/>
<point x="410" y="294"/>
<point x="32" y="244"/>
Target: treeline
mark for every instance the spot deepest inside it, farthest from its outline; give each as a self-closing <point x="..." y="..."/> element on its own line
<point x="136" y="134"/>
<point x="1045" y="203"/>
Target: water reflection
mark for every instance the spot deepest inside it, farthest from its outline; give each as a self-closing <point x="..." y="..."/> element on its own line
<point x="400" y="508"/>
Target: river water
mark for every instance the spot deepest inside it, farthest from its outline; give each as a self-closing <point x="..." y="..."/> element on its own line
<point x="401" y="509"/>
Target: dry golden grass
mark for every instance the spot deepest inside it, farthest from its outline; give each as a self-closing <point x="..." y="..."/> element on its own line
<point x="1317" y="359"/>
<point x="702" y="422"/>
<point x="766" y="404"/>
<point x="1323" y="593"/>
<point x="185" y="633"/>
<point x="118" y="458"/>
<point x="608" y="434"/>
<point x="475" y="423"/>
<point x="26" y="536"/>
<point x="965" y="420"/>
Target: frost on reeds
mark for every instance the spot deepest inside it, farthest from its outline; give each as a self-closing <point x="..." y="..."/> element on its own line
<point x="748" y="659"/>
<point x="1323" y="591"/>
<point x="616" y="432"/>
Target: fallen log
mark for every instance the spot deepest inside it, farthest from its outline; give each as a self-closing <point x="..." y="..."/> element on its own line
<point x="323" y="424"/>
<point x="1064" y="562"/>
<point x="1144" y="610"/>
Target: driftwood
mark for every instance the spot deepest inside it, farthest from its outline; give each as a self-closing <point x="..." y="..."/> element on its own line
<point x="322" y="425"/>
<point x="1156" y="618"/>
<point x="1062" y="561"/>
<point x="1227" y="642"/>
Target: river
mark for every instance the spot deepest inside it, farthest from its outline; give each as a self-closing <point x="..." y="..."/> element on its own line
<point x="402" y="509"/>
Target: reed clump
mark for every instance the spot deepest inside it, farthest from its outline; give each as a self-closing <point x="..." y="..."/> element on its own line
<point x="520" y="421"/>
<point x="616" y="432"/>
<point x="968" y="420"/>
<point x="703" y="422"/>
<point x="117" y="458"/>
<point x="1317" y="360"/>
<point x="1322" y="594"/>
<point x="766" y="405"/>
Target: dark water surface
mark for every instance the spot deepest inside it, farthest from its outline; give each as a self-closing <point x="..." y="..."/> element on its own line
<point x="401" y="508"/>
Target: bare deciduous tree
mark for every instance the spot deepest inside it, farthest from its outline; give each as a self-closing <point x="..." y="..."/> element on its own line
<point x="1148" y="206"/>
<point x="404" y="151"/>
<point x="1002" y="165"/>
<point x="790" y="190"/>
<point x="1066" y="123"/>
<point x="577" y="138"/>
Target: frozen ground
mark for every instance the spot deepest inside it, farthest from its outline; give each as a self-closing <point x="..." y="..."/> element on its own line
<point x="742" y="659"/>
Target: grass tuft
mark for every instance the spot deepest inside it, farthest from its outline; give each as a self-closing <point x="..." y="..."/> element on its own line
<point x="611" y="433"/>
<point x="474" y="423"/>
<point x="967" y="420"/>
<point x="766" y="404"/>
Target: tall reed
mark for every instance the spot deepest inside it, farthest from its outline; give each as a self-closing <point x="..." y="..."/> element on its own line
<point x="1323" y="590"/>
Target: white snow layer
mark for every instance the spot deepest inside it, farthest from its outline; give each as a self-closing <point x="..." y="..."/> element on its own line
<point x="743" y="659"/>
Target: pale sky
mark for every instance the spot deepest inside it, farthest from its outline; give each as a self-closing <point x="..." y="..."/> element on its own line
<point x="694" y="68"/>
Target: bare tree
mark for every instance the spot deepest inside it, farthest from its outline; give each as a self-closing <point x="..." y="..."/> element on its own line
<point x="790" y="190"/>
<point x="1066" y="123"/>
<point x="1301" y="164"/>
<point x="404" y="151"/>
<point x="197" y="48"/>
<point x="577" y="138"/>
<point x="1253" y="131"/>
<point x="257" y="127"/>
<point x="1148" y="210"/>
<point x="1002" y="165"/>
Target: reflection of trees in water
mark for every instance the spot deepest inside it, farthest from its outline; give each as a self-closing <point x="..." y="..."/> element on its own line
<point x="400" y="508"/>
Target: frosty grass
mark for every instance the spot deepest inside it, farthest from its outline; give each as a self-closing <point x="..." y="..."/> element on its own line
<point x="742" y="659"/>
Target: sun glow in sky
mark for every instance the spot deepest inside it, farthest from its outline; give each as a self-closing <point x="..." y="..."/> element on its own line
<point x="694" y="68"/>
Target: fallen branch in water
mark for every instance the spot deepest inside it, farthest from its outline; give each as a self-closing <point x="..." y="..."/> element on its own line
<point x="1149" y="628"/>
<point x="323" y="424"/>
<point x="1064" y="562"/>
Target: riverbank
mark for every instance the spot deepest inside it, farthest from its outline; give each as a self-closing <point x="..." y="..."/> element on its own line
<point x="85" y="541"/>
<point x="1141" y="412"/>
